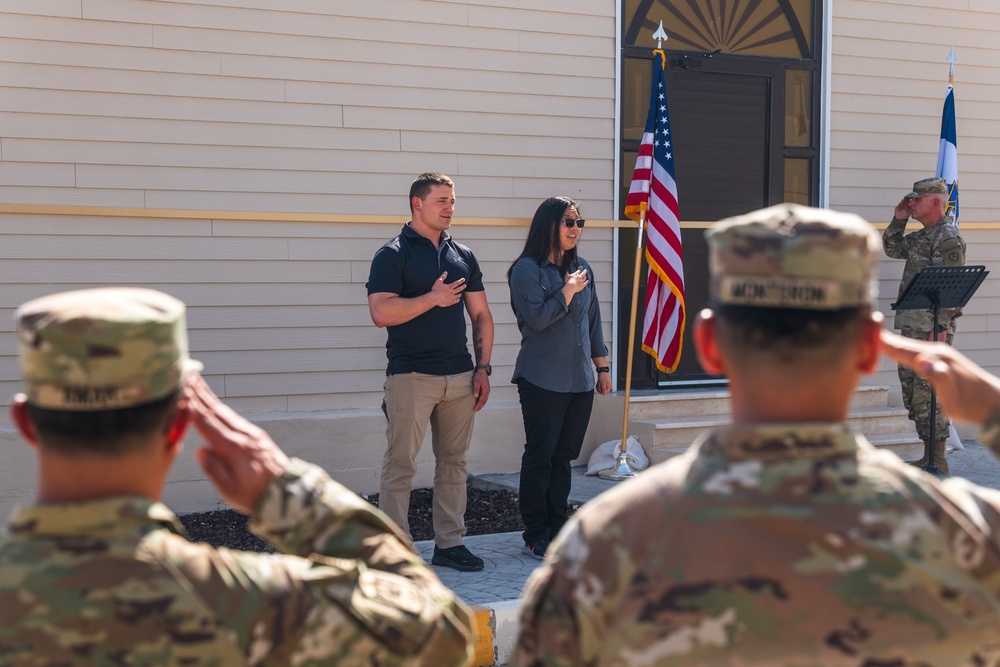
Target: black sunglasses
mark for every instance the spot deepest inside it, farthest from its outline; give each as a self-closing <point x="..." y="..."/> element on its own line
<point x="571" y="223"/>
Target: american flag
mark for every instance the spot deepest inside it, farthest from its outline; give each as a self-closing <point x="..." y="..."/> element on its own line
<point x="654" y="191"/>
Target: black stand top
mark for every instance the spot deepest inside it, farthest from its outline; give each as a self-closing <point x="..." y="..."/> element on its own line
<point x="937" y="287"/>
<point x="941" y="287"/>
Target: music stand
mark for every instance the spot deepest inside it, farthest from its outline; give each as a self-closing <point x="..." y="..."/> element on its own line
<point x="937" y="287"/>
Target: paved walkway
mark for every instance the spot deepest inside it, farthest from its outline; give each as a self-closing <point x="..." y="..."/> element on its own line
<point x="498" y="586"/>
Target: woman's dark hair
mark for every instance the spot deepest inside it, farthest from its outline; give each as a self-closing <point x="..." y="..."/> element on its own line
<point x="543" y="235"/>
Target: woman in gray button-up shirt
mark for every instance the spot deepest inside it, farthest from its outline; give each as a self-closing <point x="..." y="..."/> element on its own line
<point x="553" y="297"/>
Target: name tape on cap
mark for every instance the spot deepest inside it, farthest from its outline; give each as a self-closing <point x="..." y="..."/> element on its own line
<point x="781" y="292"/>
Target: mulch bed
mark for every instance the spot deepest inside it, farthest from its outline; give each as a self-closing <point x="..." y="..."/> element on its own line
<point x="488" y="512"/>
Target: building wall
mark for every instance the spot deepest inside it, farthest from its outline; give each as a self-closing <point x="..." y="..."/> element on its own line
<point x="319" y="106"/>
<point x="250" y="156"/>
<point x="889" y="80"/>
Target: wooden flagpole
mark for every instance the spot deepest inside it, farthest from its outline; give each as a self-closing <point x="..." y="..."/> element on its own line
<point x="622" y="469"/>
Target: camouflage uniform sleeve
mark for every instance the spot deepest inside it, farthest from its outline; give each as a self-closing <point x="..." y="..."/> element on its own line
<point x="894" y="240"/>
<point x="352" y="593"/>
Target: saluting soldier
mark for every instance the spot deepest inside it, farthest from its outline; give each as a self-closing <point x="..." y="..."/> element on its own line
<point x="99" y="572"/>
<point x="936" y="243"/>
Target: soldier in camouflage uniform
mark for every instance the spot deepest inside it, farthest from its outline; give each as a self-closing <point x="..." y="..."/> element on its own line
<point x="98" y="572"/>
<point x="937" y="243"/>
<point x="783" y="540"/>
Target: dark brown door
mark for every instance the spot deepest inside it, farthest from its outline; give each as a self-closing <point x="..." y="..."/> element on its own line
<point x="727" y="125"/>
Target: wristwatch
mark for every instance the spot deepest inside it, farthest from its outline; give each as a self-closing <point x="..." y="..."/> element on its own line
<point x="603" y="369"/>
<point x="485" y="367"/>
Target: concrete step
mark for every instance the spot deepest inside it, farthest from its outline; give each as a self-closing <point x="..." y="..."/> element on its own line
<point x="696" y="403"/>
<point x="879" y="421"/>
<point x="874" y="396"/>
<point x="905" y="444"/>
<point x="684" y="403"/>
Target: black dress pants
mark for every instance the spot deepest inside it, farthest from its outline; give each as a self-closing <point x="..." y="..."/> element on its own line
<point x="555" y="424"/>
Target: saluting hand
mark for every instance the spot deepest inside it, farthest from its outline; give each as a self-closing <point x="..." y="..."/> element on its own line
<point x="447" y="294"/>
<point x="902" y="210"/>
<point x="239" y="458"/>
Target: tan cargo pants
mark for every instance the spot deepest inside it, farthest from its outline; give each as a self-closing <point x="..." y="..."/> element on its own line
<point x="412" y="400"/>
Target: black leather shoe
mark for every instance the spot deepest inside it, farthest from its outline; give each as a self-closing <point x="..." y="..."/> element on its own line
<point x="457" y="558"/>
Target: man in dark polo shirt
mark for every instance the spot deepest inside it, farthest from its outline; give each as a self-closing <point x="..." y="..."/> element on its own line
<point x="416" y="287"/>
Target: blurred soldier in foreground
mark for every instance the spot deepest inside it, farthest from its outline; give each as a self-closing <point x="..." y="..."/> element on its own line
<point x="784" y="539"/>
<point x="100" y="573"/>
<point x="936" y="243"/>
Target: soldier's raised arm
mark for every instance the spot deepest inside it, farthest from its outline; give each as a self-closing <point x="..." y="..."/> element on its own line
<point x="98" y="571"/>
<point x="355" y="593"/>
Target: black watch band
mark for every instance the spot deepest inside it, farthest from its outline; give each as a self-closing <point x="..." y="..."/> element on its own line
<point x="484" y="367"/>
<point x="604" y="369"/>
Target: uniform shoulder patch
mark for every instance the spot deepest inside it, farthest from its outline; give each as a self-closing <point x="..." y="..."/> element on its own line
<point x="951" y="243"/>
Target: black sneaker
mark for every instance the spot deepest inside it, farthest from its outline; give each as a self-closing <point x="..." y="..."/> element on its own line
<point x="536" y="550"/>
<point x="457" y="558"/>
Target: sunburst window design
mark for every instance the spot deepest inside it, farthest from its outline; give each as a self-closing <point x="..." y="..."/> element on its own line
<point x="776" y="28"/>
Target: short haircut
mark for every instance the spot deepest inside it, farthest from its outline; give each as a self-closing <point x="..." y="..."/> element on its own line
<point x="787" y="336"/>
<point x="106" y="433"/>
<point x="424" y="183"/>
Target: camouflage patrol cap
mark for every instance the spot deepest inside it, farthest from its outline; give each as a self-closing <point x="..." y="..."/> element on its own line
<point x="791" y="256"/>
<point x="927" y="186"/>
<point x="102" y="349"/>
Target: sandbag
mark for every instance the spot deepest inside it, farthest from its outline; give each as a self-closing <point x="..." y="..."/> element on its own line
<point x="606" y="456"/>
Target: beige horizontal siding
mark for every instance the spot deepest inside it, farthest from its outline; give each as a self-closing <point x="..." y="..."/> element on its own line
<point x="316" y="107"/>
<point x="888" y="85"/>
<point x="72" y="8"/>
